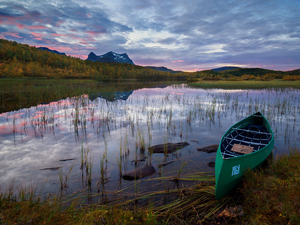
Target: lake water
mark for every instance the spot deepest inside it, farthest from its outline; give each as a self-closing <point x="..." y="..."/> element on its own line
<point x="87" y="142"/>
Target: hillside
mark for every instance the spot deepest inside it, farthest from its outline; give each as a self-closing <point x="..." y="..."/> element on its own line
<point x="162" y="68"/>
<point x="225" y="68"/>
<point x="49" y="50"/>
<point x="21" y="60"/>
<point x="245" y="74"/>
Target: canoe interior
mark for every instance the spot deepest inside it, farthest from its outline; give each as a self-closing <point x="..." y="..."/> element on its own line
<point x="254" y="132"/>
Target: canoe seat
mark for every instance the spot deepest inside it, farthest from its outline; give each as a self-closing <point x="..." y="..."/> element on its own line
<point x="244" y="149"/>
<point x="251" y="131"/>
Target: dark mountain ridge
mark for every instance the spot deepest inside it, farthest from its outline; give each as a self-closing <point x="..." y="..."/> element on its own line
<point x="110" y="57"/>
<point x="54" y="51"/>
<point x="162" y="68"/>
<point x="224" y="68"/>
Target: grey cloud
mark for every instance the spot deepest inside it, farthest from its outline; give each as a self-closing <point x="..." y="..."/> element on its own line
<point x="265" y="31"/>
<point x="167" y="41"/>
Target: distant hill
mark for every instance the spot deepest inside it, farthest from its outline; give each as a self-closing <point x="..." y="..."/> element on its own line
<point x="54" y="51"/>
<point x="293" y="72"/>
<point x="110" y="57"/>
<point x="224" y="68"/>
<point x="162" y="68"/>
<point x="251" y="71"/>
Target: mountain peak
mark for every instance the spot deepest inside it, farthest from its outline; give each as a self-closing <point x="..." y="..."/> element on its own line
<point x="110" y="57"/>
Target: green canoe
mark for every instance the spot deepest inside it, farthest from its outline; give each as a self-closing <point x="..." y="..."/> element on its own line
<point x="246" y="145"/>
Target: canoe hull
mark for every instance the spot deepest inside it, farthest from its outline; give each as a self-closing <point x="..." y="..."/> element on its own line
<point x="229" y="171"/>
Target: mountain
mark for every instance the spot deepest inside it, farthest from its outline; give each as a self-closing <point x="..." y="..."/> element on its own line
<point x="162" y="68"/>
<point x="110" y="57"/>
<point x="225" y="68"/>
<point x="54" y="51"/>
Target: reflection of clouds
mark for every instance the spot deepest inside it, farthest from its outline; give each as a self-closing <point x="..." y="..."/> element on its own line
<point x="228" y="91"/>
<point x="176" y="93"/>
<point x="38" y="144"/>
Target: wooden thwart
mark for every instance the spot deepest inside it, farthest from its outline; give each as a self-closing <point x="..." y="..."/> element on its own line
<point x="242" y="149"/>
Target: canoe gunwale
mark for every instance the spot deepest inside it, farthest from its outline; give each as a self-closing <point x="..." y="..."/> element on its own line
<point x="229" y="171"/>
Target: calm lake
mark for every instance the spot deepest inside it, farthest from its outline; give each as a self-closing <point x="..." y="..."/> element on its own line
<point x="87" y="142"/>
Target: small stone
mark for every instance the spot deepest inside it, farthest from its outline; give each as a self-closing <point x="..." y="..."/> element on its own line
<point x="232" y="212"/>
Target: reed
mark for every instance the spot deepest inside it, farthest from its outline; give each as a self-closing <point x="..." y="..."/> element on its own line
<point x="63" y="178"/>
<point x="174" y="116"/>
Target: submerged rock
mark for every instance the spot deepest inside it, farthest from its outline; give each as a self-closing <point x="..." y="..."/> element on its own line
<point x="51" y="168"/>
<point x="168" y="148"/>
<point x="211" y="164"/>
<point x="209" y="149"/>
<point x="194" y="140"/>
<point x="64" y="160"/>
<point x="140" y="160"/>
<point x="139" y="173"/>
<point x="164" y="164"/>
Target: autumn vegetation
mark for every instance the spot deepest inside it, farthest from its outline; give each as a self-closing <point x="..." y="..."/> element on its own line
<point x="22" y="60"/>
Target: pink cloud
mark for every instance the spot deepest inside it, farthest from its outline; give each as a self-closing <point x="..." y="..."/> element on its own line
<point x="36" y="34"/>
<point x="20" y="26"/>
<point x="60" y="35"/>
<point x="63" y="49"/>
<point x="59" y="23"/>
<point x="13" y="34"/>
<point x="84" y="43"/>
<point x="95" y="32"/>
<point x="178" y="61"/>
<point x="79" y="56"/>
<point x="37" y="27"/>
<point x="80" y="39"/>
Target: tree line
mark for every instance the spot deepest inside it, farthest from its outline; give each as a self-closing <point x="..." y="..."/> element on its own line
<point x="22" y="60"/>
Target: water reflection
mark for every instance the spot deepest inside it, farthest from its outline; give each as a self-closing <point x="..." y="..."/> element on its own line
<point x="89" y="142"/>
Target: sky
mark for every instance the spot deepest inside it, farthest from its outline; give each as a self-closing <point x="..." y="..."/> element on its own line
<point x="187" y="35"/>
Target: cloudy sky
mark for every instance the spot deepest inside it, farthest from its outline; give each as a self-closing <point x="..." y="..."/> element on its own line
<point x="187" y="35"/>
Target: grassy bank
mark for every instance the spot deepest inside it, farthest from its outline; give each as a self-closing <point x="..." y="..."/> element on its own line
<point x="268" y="196"/>
<point x="246" y="84"/>
<point x="272" y="196"/>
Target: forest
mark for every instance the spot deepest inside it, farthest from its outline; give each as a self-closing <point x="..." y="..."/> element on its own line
<point x="22" y="60"/>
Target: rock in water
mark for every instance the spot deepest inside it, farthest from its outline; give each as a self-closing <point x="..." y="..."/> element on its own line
<point x="209" y="149"/>
<point x="211" y="164"/>
<point x="164" y="164"/>
<point x="168" y="148"/>
<point x="51" y="168"/>
<point x="139" y="173"/>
